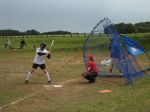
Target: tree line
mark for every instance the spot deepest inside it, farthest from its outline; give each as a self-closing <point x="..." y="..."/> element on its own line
<point x="142" y="27"/>
<point x="10" y="32"/>
<point x="122" y="28"/>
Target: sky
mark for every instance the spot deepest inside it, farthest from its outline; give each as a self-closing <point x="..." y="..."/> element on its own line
<point x="69" y="15"/>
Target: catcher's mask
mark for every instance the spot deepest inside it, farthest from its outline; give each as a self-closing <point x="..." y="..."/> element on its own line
<point x="42" y="46"/>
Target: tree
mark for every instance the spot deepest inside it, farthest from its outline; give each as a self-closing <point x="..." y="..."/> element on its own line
<point x="32" y="32"/>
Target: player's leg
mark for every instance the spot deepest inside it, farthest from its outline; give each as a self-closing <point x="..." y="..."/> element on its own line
<point x="90" y="76"/>
<point x="111" y="68"/>
<point x="93" y="76"/>
<point x="43" y="68"/>
<point x="119" y="69"/>
<point x="29" y="75"/>
<point x="47" y="75"/>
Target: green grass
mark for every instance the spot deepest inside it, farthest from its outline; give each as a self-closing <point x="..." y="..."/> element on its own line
<point x="76" y="95"/>
<point x="61" y="43"/>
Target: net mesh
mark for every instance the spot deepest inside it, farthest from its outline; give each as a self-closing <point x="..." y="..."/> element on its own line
<point x="97" y="44"/>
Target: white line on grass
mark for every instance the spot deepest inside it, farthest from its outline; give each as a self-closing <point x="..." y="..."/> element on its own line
<point x="21" y="99"/>
<point x="15" y="102"/>
<point x="29" y="96"/>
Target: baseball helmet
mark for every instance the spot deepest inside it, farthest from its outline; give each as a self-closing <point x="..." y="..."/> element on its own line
<point x="42" y="45"/>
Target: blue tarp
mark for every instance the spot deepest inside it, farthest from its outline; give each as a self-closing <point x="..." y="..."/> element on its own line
<point x="133" y="47"/>
<point x="126" y="63"/>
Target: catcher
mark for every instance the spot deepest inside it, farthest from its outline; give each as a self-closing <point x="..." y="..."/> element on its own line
<point x="92" y="73"/>
<point x="39" y="62"/>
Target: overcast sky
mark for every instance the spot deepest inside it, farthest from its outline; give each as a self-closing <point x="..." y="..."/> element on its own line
<point x="69" y="15"/>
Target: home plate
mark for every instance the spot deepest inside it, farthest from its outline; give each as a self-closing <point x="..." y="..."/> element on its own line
<point x="48" y="86"/>
<point x="105" y="91"/>
<point x="57" y="85"/>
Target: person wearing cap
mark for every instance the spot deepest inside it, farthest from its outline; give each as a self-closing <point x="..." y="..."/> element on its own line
<point x="92" y="73"/>
<point x="115" y="55"/>
<point x="41" y="52"/>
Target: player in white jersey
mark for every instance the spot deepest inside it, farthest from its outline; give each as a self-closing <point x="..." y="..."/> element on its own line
<point x="41" y="52"/>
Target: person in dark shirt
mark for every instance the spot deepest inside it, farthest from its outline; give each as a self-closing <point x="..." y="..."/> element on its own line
<point x="22" y="43"/>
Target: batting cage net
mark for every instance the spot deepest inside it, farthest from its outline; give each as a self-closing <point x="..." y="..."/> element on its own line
<point x="109" y="49"/>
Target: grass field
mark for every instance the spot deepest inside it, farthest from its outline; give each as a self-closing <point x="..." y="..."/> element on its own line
<point x="76" y="95"/>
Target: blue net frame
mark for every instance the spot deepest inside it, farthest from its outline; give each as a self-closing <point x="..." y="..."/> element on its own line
<point x="125" y="62"/>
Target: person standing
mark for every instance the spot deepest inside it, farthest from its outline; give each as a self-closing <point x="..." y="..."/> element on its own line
<point x="8" y="44"/>
<point x="41" y="52"/>
<point x="115" y="55"/>
<point x="112" y="65"/>
<point x="22" y="43"/>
